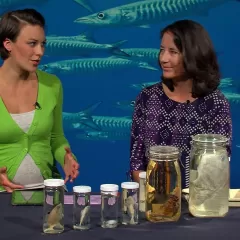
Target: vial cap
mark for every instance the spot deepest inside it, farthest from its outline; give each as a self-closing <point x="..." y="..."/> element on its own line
<point x="109" y="187"/>
<point x="82" y="189"/>
<point x="142" y="174"/>
<point x="53" y="182"/>
<point x="130" y="185"/>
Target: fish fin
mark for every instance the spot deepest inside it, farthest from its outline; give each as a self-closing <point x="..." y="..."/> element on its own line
<point x="144" y="26"/>
<point x="87" y="36"/>
<point x="117" y="51"/>
<point x="50" y="228"/>
<point x="87" y="118"/>
<point x="85" y="4"/>
<point x="91" y="108"/>
<point x="132" y="220"/>
<point x="147" y="66"/>
<point x="119" y="43"/>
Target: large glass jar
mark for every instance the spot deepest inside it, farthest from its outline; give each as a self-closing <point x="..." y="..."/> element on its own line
<point x="209" y="176"/>
<point x="163" y="184"/>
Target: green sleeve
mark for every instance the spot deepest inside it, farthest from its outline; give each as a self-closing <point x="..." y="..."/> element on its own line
<point x="58" y="140"/>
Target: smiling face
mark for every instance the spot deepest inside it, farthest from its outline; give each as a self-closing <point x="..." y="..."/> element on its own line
<point x="27" y="50"/>
<point x="170" y="58"/>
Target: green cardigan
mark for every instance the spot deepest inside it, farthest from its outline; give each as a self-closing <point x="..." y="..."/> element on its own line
<point x="45" y="138"/>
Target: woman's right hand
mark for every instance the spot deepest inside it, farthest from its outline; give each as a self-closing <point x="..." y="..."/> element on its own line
<point x="4" y="181"/>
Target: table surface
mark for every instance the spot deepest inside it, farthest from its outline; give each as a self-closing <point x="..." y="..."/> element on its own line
<point x="25" y="222"/>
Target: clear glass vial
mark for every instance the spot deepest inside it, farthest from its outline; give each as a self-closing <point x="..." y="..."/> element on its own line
<point x="81" y="207"/>
<point x="109" y="205"/>
<point x="130" y="200"/>
<point x="53" y="209"/>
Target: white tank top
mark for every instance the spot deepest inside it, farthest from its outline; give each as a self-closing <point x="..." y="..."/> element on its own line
<point x="28" y="172"/>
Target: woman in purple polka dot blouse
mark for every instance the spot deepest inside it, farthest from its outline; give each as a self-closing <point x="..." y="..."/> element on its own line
<point x="186" y="102"/>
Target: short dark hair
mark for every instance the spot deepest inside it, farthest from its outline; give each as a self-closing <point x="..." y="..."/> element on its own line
<point x="12" y="22"/>
<point x="199" y="57"/>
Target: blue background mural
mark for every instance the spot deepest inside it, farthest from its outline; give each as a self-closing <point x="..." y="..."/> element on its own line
<point x="101" y="81"/>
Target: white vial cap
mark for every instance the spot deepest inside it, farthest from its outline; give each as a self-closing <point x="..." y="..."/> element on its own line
<point x="109" y="187"/>
<point x="142" y="174"/>
<point x="82" y="189"/>
<point x="130" y="185"/>
<point x="53" y="182"/>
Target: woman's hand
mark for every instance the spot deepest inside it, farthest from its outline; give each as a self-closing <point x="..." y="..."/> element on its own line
<point x="70" y="166"/>
<point x="4" y="181"/>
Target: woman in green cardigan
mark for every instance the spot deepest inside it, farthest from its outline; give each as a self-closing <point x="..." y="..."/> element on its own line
<point x="31" y="131"/>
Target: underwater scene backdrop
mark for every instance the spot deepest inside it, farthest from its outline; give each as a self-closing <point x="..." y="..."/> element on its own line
<point x="105" y="52"/>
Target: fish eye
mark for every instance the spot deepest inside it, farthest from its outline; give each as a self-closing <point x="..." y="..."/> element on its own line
<point x="100" y="15"/>
<point x="132" y="103"/>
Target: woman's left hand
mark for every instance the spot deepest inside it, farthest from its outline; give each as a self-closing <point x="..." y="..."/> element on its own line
<point x="70" y="166"/>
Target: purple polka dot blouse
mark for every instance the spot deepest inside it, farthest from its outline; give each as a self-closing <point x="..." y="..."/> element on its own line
<point x="158" y="120"/>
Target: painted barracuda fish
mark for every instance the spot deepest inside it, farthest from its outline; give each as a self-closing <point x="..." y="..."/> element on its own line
<point x="74" y="66"/>
<point x="129" y="105"/>
<point x="104" y="135"/>
<point x="60" y="47"/>
<point x="107" y="123"/>
<point x="84" y="36"/>
<point x="224" y="83"/>
<point x="149" y="55"/>
<point x="232" y="97"/>
<point x="142" y="13"/>
<point x="84" y="120"/>
<point x="80" y="45"/>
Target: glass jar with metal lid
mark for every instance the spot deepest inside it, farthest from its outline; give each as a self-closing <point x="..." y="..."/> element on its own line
<point x="209" y="176"/>
<point x="163" y="184"/>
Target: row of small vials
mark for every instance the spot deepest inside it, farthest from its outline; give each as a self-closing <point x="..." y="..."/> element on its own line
<point x="54" y="205"/>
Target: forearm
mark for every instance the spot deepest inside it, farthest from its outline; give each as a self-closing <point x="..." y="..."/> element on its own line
<point x="58" y="140"/>
<point x="58" y="144"/>
<point x="137" y="159"/>
<point x="137" y="144"/>
<point x="221" y="123"/>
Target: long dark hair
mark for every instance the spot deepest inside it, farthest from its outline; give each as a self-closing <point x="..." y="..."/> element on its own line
<point x="199" y="57"/>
